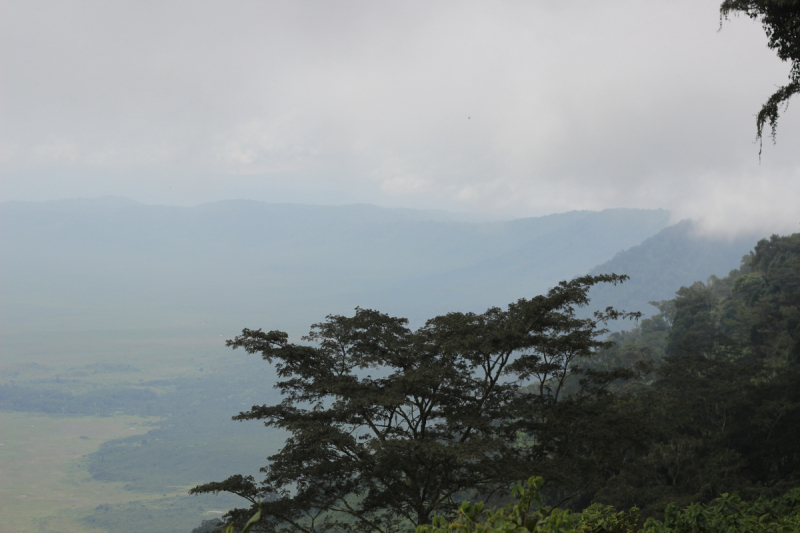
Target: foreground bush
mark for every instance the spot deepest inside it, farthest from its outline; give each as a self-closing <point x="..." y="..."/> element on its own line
<point x="727" y="514"/>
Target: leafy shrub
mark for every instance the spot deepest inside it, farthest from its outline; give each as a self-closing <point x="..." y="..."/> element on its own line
<point x="727" y="514"/>
<point x="517" y="517"/>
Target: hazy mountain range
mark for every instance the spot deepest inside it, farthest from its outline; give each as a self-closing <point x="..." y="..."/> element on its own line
<point x="115" y="263"/>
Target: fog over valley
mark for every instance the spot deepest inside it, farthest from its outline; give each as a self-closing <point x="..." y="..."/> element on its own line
<point x="312" y="267"/>
<point x="112" y="263"/>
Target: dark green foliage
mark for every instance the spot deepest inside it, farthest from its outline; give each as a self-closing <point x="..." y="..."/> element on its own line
<point x="723" y="402"/>
<point x="693" y="328"/>
<point x="772" y="295"/>
<point x="781" y="21"/>
<point x="598" y="518"/>
<point x="730" y="513"/>
<point x="526" y="514"/>
<point x="726" y="514"/>
<point x="753" y="314"/>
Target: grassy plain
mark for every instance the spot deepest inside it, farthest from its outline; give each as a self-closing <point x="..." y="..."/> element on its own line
<point x="42" y="487"/>
<point x="52" y="478"/>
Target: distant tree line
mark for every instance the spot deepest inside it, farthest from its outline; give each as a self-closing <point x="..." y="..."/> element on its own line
<point x="105" y="401"/>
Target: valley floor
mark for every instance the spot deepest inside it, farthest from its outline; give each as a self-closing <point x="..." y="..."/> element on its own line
<point x="42" y="484"/>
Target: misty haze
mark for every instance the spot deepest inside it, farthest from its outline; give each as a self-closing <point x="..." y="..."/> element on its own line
<point x="455" y="246"/>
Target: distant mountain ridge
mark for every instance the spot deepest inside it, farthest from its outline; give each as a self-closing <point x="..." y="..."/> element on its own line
<point x="116" y="263"/>
<point x="532" y="267"/>
<point x="676" y="256"/>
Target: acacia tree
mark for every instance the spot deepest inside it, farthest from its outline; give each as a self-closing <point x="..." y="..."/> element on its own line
<point x="781" y="21"/>
<point x="389" y="427"/>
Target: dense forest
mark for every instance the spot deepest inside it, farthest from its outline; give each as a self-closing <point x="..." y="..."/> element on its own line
<point x="390" y="427"/>
<point x="718" y="408"/>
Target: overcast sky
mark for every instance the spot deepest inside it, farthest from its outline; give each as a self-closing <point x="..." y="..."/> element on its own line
<point x="501" y="108"/>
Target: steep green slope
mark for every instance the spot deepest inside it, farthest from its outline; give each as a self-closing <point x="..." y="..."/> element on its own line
<point x="659" y="266"/>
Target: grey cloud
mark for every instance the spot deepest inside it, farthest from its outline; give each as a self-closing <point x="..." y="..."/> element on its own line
<point x="571" y="105"/>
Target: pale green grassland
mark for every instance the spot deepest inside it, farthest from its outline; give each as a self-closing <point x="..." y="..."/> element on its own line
<point x="157" y="354"/>
<point x="41" y="482"/>
<point x="45" y="480"/>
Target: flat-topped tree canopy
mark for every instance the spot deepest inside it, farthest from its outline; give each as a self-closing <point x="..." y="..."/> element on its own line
<point x="390" y="426"/>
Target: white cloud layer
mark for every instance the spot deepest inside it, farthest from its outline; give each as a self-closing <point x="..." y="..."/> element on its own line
<point x="512" y="108"/>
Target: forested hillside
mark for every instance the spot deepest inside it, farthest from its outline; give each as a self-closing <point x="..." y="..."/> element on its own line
<point x="720" y="405"/>
<point x="676" y="256"/>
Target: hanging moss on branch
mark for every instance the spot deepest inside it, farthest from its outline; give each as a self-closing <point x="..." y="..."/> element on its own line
<point x="781" y="21"/>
